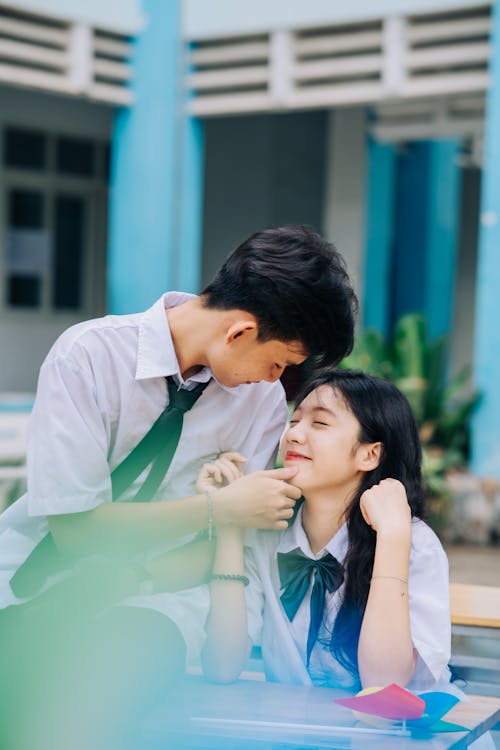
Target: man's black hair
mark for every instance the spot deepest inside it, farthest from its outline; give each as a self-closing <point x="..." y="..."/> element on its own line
<point x="296" y="285"/>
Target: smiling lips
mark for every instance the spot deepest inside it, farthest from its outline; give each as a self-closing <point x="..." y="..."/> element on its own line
<point x="293" y="456"/>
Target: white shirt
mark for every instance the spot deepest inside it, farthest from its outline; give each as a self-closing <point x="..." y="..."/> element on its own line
<point x="101" y="388"/>
<point x="284" y="642"/>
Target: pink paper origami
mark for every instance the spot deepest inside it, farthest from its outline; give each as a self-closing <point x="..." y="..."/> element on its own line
<point x="392" y="702"/>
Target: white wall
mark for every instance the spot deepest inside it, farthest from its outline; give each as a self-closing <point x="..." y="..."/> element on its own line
<point x="212" y="18"/>
<point x="344" y="195"/>
<point x="119" y="15"/>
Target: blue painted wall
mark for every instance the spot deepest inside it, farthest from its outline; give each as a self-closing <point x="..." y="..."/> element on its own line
<point x="156" y="174"/>
<point x="486" y="425"/>
<point x="442" y="234"/>
<point x="205" y="18"/>
<point x="380" y="214"/>
<point x="120" y="15"/>
<point x="412" y="234"/>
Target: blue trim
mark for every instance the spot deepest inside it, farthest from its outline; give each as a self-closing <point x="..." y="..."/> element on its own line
<point x="143" y="185"/>
<point x="426" y="233"/>
<point x="442" y="234"/>
<point x="486" y="425"/>
<point x="188" y="271"/>
<point x="379" y="235"/>
<point x="410" y="246"/>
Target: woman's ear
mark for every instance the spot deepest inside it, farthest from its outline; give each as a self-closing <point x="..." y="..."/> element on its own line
<point x="369" y="456"/>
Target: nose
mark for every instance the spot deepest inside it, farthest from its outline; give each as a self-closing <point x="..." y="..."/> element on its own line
<point x="275" y="373"/>
<point x="295" y="433"/>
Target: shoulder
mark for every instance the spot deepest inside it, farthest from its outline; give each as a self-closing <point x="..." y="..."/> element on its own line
<point x="91" y="338"/>
<point x="427" y="552"/>
<point x="423" y="536"/>
<point x="270" y="395"/>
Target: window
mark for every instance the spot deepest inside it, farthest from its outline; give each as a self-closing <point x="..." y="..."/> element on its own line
<point x="26" y="246"/>
<point x="54" y="194"/>
<point x="75" y="156"/>
<point x="68" y="252"/>
<point x="25" y="148"/>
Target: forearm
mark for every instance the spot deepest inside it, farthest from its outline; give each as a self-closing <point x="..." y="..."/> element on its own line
<point x="385" y="650"/>
<point x="128" y="528"/>
<point x="261" y="500"/>
<point x="183" y="567"/>
<point x="227" y="645"/>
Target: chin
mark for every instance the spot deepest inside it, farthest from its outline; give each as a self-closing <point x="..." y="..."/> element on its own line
<point x="297" y="480"/>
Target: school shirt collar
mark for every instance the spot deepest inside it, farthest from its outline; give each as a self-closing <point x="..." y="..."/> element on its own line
<point x="295" y="536"/>
<point x="156" y="357"/>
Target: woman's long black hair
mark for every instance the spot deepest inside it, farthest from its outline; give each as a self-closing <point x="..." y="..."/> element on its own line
<point x="384" y="416"/>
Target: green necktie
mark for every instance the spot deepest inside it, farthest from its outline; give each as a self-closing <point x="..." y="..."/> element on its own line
<point x="157" y="448"/>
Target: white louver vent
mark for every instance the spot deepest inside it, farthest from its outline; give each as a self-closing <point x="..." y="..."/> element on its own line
<point x="63" y="57"/>
<point x="230" y="75"/>
<point x="448" y="52"/>
<point x="342" y="63"/>
<point x="111" y="68"/>
<point x="442" y="54"/>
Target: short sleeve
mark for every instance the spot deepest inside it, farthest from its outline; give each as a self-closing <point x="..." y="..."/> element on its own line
<point x="67" y="441"/>
<point x="429" y="605"/>
<point x="275" y="413"/>
<point x="254" y="592"/>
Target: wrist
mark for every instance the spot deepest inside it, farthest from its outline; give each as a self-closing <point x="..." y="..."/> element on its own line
<point x="395" y="534"/>
<point x="221" y="507"/>
<point x="231" y="531"/>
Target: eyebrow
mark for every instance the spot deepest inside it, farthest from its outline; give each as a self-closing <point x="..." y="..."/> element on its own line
<point x="323" y="408"/>
<point x="316" y="409"/>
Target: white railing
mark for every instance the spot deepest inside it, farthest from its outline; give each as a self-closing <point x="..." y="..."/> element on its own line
<point x="64" y="57"/>
<point x="386" y="59"/>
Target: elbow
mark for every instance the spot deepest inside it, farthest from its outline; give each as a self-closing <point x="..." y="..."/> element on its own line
<point x="381" y="674"/>
<point x="222" y="674"/>
<point x="220" y="670"/>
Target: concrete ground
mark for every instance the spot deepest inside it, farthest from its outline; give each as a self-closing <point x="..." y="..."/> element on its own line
<point x="470" y="564"/>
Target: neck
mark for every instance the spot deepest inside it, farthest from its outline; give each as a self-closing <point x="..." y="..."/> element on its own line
<point x="188" y="327"/>
<point x="324" y="513"/>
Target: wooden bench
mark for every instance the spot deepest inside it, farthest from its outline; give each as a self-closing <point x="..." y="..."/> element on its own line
<point x="475" y="640"/>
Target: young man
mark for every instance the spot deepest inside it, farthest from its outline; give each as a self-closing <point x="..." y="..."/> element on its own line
<point x="281" y="296"/>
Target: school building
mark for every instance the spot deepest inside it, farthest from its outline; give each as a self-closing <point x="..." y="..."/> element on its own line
<point x="142" y="140"/>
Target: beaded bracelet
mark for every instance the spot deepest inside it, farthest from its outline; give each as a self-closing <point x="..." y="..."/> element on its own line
<point x="229" y="577"/>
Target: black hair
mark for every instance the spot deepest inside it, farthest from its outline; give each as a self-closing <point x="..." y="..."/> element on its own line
<point x="384" y="416"/>
<point x="296" y="285"/>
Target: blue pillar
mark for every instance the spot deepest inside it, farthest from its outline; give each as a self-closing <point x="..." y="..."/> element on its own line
<point x="189" y="235"/>
<point x="485" y="459"/>
<point x="411" y="231"/>
<point x="155" y="203"/>
<point x="442" y="234"/>
<point x="379" y="235"/>
<point x="426" y="233"/>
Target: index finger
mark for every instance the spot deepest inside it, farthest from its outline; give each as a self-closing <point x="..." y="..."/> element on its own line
<point x="286" y="473"/>
<point x="233" y="456"/>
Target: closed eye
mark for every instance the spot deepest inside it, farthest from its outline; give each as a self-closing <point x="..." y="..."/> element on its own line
<point x="323" y="424"/>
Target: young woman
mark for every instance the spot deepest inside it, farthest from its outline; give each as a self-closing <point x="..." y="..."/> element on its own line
<point x="353" y="592"/>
